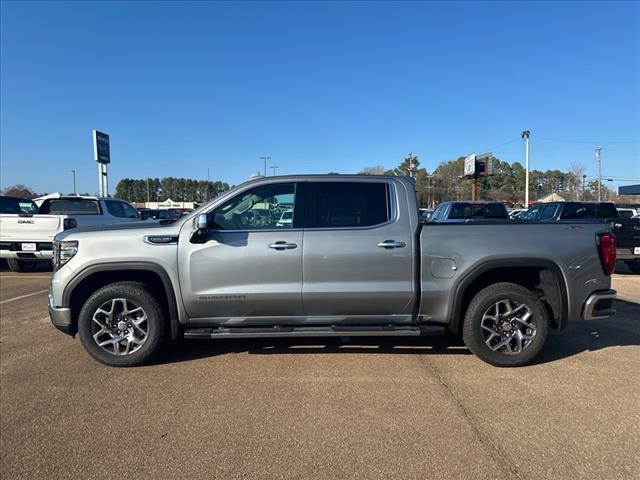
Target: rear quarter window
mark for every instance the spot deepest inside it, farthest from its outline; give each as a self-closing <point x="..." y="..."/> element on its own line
<point x="17" y="206"/>
<point x="70" y="207"/>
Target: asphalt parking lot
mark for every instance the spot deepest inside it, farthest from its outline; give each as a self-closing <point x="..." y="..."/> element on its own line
<point x="392" y="408"/>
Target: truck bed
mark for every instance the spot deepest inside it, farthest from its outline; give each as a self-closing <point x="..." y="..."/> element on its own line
<point x="454" y="255"/>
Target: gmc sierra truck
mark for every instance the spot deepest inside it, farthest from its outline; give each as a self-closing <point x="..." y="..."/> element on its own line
<point x="354" y="261"/>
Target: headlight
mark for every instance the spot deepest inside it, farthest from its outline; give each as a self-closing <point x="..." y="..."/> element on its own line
<point x="63" y="251"/>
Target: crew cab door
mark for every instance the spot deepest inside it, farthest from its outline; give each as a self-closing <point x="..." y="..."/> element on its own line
<point x="358" y="249"/>
<point x="249" y="262"/>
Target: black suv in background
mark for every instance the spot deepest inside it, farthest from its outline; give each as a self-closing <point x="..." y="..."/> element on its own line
<point x="626" y="230"/>
<point x="455" y="212"/>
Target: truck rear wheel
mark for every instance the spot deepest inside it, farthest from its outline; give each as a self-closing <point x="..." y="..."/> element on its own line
<point x="16" y="265"/>
<point x="506" y="325"/>
<point x="122" y="325"/>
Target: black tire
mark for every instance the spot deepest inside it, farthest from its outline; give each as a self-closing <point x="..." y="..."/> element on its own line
<point x="634" y="266"/>
<point x="486" y="302"/>
<point x="156" y="324"/>
<point x="16" y="265"/>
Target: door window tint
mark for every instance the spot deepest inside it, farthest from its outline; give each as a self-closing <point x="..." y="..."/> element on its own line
<point x="114" y="208"/>
<point x="70" y="207"/>
<point x="496" y="210"/>
<point x="129" y="211"/>
<point x="352" y="204"/>
<point x="532" y="214"/>
<point x="548" y="211"/>
<point x="263" y="207"/>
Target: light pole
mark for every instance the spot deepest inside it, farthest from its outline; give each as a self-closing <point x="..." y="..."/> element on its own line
<point x="265" y="158"/>
<point x="525" y="135"/>
<point x="584" y="178"/>
<point x="74" y="181"/>
<point x="598" y="163"/>
<point x="274" y="169"/>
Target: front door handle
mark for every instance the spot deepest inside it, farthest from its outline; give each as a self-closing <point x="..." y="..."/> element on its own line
<point x="388" y="244"/>
<point x="281" y="245"/>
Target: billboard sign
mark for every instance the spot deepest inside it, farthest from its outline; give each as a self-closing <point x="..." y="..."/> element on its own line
<point x="484" y="164"/>
<point x="470" y="165"/>
<point x="101" y="152"/>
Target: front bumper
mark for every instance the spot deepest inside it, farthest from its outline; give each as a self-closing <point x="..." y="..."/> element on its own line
<point x="599" y="305"/>
<point x="61" y="318"/>
<point x="33" y="256"/>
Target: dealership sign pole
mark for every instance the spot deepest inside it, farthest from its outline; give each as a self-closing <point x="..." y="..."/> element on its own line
<point x="102" y="155"/>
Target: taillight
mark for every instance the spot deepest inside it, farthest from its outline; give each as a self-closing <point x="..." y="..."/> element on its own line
<point x="69" y="223"/>
<point x="607" y="246"/>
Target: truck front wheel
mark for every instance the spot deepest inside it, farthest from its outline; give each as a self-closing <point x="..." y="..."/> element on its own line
<point x="506" y="325"/>
<point x="122" y="325"/>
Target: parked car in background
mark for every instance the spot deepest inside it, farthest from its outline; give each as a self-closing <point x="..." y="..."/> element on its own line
<point x="456" y="212"/>
<point x="26" y="239"/>
<point x="355" y="261"/>
<point x="159" y="214"/>
<point x="626" y="230"/>
<point x="626" y="212"/>
<point x="425" y="213"/>
<point x="286" y="219"/>
<point x="515" y="213"/>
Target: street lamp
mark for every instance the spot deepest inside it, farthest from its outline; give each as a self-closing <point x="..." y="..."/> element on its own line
<point x="525" y="135"/>
<point x="265" y="158"/>
<point x="598" y="163"/>
<point x="74" y="181"/>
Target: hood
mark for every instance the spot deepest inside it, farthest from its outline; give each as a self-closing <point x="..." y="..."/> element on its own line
<point x="143" y="227"/>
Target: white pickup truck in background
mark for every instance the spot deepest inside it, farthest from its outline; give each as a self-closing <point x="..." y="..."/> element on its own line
<point x="27" y="227"/>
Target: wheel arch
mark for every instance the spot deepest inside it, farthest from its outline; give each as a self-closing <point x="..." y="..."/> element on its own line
<point x="538" y="274"/>
<point x="96" y="276"/>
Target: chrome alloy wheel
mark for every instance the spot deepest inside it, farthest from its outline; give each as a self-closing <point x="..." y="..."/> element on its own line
<point x="508" y="327"/>
<point x="119" y="327"/>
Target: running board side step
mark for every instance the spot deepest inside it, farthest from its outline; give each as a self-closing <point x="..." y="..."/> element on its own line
<point x="331" y="331"/>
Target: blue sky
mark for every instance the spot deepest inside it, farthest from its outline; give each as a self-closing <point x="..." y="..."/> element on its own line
<point x="317" y="86"/>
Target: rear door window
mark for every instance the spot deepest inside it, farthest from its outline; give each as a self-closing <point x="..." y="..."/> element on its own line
<point x="548" y="211"/>
<point x="129" y="211"/>
<point x="461" y="210"/>
<point x="114" y="208"/>
<point x="496" y="210"/>
<point x="350" y="204"/>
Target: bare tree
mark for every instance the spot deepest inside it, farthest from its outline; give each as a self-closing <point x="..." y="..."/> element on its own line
<point x="376" y="170"/>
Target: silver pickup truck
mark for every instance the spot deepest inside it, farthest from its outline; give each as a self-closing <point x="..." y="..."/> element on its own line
<point x="355" y="260"/>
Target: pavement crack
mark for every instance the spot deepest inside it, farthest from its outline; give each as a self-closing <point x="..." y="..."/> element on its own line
<point x="484" y="438"/>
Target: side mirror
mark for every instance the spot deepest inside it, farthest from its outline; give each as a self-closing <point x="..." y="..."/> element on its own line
<point x="202" y="222"/>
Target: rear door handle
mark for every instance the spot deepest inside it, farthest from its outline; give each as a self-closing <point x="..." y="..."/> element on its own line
<point x="388" y="244"/>
<point x="281" y="245"/>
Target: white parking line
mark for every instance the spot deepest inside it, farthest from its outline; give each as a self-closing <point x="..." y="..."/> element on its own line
<point x="24" y="296"/>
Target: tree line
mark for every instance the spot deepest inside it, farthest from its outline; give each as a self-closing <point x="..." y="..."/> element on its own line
<point x="506" y="185"/>
<point x="178" y="189"/>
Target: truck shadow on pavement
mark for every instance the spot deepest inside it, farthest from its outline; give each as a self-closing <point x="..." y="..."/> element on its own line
<point x="578" y="337"/>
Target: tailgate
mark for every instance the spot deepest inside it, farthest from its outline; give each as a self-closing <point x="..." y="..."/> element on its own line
<point x="627" y="232"/>
<point x="30" y="228"/>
